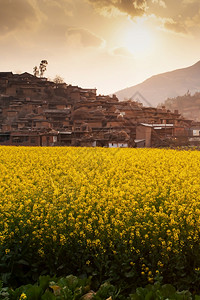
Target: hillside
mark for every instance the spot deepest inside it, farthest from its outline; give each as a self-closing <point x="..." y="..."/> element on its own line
<point x="158" y="88"/>
<point x="188" y="105"/>
<point x="38" y="112"/>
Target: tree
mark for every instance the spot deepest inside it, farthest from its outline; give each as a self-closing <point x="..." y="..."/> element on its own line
<point x="58" y="80"/>
<point x="36" y="71"/>
<point x="43" y="67"/>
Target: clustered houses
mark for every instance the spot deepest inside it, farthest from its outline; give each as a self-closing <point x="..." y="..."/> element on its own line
<point x="38" y="112"/>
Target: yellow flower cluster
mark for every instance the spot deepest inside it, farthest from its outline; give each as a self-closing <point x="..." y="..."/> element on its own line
<point x="145" y="202"/>
<point x="23" y="296"/>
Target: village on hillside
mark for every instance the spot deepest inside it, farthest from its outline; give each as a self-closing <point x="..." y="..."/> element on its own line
<point x="37" y="112"/>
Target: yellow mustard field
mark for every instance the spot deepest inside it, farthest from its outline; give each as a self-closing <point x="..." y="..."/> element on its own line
<point x="109" y="212"/>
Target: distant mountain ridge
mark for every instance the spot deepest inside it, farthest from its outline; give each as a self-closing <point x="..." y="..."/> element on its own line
<point x="158" y="88"/>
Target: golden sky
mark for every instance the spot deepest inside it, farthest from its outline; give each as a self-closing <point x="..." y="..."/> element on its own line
<point x="107" y="44"/>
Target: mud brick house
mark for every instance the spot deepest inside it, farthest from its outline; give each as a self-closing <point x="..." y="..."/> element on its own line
<point x="162" y="134"/>
<point x="38" y="112"/>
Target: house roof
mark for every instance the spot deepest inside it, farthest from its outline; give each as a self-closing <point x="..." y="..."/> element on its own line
<point x="6" y="74"/>
<point x="139" y="141"/>
<point x="157" y="125"/>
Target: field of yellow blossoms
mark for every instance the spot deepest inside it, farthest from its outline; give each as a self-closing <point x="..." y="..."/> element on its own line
<point x="122" y="214"/>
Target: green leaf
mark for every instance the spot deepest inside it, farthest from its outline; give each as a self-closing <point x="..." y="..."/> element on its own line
<point x="70" y="281"/>
<point x="129" y="274"/>
<point x="44" y="282"/>
<point x="141" y="292"/>
<point x="168" y="290"/>
<point x="186" y="295"/>
<point x="34" y="293"/>
<point x="5" y="277"/>
<point x="150" y="296"/>
<point x="22" y="262"/>
<point x="134" y="297"/>
<point x="48" y="296"/>
<point x="105" y="291"/>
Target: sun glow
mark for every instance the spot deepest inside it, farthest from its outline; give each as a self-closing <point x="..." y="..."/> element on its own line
<point x="139" y="39"/>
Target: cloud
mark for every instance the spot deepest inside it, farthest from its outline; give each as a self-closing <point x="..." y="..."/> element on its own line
<point x="56" y="9"/>
<point x="53" y="20"/>
<point x="170" y="14"/>
<point x="189" y="1"/>
<point x="16" y="14"/>
<point x="175" y="26"/>
<point x="83" y="37"/>
<point x="122" y="51"/>
<point x="181" y="19"/>
<point x="131" y="8"/>
<point x="160" y="3"/>
<point x="33" y="15"/>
